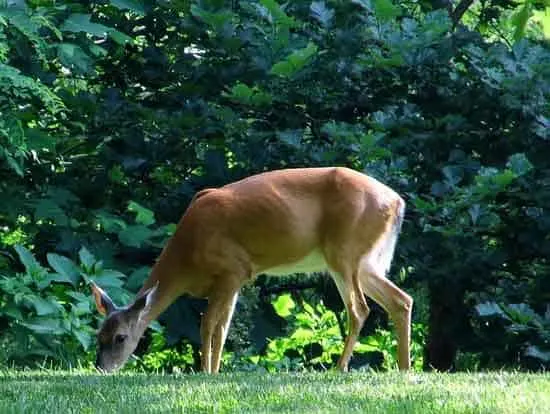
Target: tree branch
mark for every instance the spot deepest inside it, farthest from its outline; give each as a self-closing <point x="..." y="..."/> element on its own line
<point x="459" y="11"/>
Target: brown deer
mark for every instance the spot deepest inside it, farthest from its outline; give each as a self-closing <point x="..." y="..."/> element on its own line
<point x="278" y="223"/>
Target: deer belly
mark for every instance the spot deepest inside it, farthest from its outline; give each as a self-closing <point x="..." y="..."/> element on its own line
<point x="313" y="262"/>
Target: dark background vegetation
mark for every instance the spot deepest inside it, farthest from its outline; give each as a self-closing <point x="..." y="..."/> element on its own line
<point x="114" y="113"/>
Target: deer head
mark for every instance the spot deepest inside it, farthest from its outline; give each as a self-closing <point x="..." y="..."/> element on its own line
<point x="122" y="328"/>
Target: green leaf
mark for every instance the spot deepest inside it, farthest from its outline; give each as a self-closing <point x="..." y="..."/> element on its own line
<point x="44" y="306"/>
<point x="365" y="4"/>
<point x="321" y="13"/>
<point x="45" y="325"/>
<point x="86" y="258"/>
<point x="519" y="164"/>
<point x="295" y="61"/>
<point x="291" y="137"/>
<point x="65" y="267"/>
<point x="143" y="215"/>
<point x="121" y="38"/>
<point x="536" y="352"/>
<point x="73" y="57"/>
<point x="79" y="22"/>
<point x="136" y="278"/>
<point x="29" y="261"/>
<point x="490" y="309"/>
<point x="47" y="208"/>
<point x="520" y="19"/>
<point x="39" y="140"/>
<point x="283" y="305"/>
<point x="386" y="10"/>
<point x="277" y="13"/>
<point x="110" y="223"/>
<point x="135" y="236"/>
<point x="110" y="278"/>
<point x="249" y="96"/>
<point x="136" y="6"/>
<point x="217" y="20"/>
<point x="47" y="280"/>
<point x="83" y="337"/>
<point x="15" y="165"/>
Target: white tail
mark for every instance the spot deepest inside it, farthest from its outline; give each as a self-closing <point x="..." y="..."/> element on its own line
<point x="279" y="222"/>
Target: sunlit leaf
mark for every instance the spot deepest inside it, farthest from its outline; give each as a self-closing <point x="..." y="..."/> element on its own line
<point x="143" y="215"/>
<point x="283" y="305"/>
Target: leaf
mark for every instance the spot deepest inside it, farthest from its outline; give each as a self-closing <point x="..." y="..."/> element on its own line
<point x="46" y="281"/>
<point x="134" y="5"/>
<point x="14" y="164"/>
<point x="135" y="236"/>
<point x="47" y="208"/>
<point x="137" y="277"/>
<point x="73" y="57"/>
<point x="520" y="19"/>
<point x="283" y="305"/>
<point x="29" y="261"/>
<point x="39" y="140"/>
<point x="321" y="13"/>
<point x="110" y="278"/>
<point x="44" y="306"/>
<point x="474" y="211"/>
<point x="295" y="61"/>
<point x="249" y="96"/>
<point x="536" y="352"/>
<point x="65" y="267"/>
<point x="490" y="309"/>
<point x="385" y="9"/>
<point x="217" y="20"/>
<point x="143" y="215"/>
<point x="110" y="223"/>
<point x="365" y="4"/>
<point x="291" y="137"/>
<point x="521" y="313"/>
<point x="45" y="325"/>
<point x="519" y="164"/>
<point x="83" y="337"/>
<point x="277" y="13"/>
<point x="121" y="38"/>
<point x="86" y="258"/>
<point x="79" y="22"/>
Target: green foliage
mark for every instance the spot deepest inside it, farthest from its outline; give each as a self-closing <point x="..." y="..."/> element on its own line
<point x="526" y="329"/>
<point x="113" y="115"/>
<point x="315" y="340"/>
<point x="49" y="314"/>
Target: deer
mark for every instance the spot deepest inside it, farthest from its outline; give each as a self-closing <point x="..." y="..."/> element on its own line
<point x="280" y="222"/>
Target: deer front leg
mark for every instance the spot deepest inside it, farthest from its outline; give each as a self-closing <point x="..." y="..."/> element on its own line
<point x="220" y="333"/>
<point x="214" y="326"/>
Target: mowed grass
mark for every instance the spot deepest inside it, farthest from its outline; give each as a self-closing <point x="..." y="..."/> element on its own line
<point x="84" y="392"/>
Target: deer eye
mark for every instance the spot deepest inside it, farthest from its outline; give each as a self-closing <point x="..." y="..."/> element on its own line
<point x="119" y="339"/>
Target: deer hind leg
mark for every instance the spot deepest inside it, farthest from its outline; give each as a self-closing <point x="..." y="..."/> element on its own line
<point x="397" y="303"/>
<point x="357" y="312"/>
<point x="214" y="326"/>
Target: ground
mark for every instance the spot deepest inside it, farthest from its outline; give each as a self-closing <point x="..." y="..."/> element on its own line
<point x="365" y="392"/>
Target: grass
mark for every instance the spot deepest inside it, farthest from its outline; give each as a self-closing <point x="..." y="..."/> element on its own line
<point x="85" y="392"/>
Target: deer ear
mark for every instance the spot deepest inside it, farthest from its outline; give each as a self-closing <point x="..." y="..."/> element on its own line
<point x="103" y="302"/>
<point x="142" y="305"/>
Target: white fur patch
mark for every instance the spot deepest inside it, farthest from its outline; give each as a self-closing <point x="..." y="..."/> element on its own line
<point x="313" y="262"/>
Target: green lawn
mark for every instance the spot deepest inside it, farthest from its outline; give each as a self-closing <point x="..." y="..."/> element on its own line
<point x="81" y="392"/>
